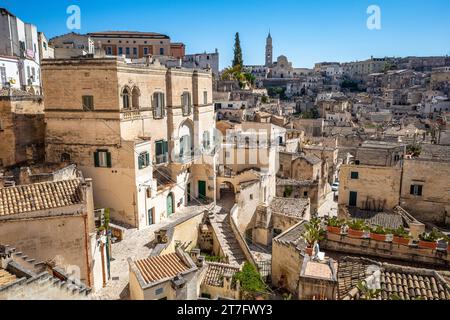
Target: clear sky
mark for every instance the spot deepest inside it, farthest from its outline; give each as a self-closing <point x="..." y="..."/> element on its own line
<point x="306" y="31"/>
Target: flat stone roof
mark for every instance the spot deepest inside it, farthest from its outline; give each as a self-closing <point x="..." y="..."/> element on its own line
<point x="292" y="207"/>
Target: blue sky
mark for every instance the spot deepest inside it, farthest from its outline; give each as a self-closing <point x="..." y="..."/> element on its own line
<point x="305" y="31"/>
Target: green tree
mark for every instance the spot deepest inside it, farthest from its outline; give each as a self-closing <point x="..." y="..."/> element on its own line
<point x="251" y="282"/>
<point x="237" y="61"/>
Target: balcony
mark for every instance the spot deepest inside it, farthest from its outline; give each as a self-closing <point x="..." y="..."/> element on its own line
<point x="162" y="158"/>
<point x="130" y="115"/>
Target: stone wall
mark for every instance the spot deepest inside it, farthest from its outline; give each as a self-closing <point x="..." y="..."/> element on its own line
<point x="378" y="188"/>
<point x="434" y="203"/>
<point x="22" y="130"/>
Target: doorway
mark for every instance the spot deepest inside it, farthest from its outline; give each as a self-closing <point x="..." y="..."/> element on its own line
<point x="353" y="199"/>
<point x="202" y="189"/>
<point x="170" y="205"/>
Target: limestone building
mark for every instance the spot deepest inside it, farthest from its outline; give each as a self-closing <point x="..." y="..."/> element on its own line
<point x="137" y="45"/>
<point x="53" y="222"/>
<point x="143" y="132"/>
<point x="22" y="128"/>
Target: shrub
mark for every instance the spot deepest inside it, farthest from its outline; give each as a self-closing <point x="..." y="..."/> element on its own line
<point x="251" y="282"/>
<point x="401" y="232"/>
<point x="335" y="222"/>
<point x="378" y="230"/>
<point x="358" y="225"/>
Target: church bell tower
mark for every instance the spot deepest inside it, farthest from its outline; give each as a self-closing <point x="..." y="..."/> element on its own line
<point x="269" y="51"/>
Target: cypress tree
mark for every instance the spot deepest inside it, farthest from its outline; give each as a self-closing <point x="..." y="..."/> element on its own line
<point x="237" y="61"/>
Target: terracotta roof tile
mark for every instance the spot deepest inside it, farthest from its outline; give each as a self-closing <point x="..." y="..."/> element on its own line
<point x="39" y="196"/>
<point x="407" y="283"/>
<point x="216" y="272"/>
<point x="161" y="267"/>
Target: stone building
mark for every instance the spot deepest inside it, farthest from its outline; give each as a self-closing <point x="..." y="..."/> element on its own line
<point x="53" y="222"/>
<point x="425" y="185"/>
<point x="137" y="45"/>
<point x="171" y="276"/>
<point x="24" y="278"/>
<point x="203" y="61"/>
<point x="300" y="172"/>
<point x="217" y="282"/>
<point x="369" y="187"/>
<point x="22" y="128"/>
<point x="72" y="45"/>
<point x="143" y="132"/>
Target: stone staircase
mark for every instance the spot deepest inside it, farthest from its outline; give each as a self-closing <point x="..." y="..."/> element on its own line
<point x="34" y="281"/>
<point x="228" y="243"/>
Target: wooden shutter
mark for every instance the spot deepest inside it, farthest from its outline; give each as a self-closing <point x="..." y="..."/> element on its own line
<point x="419" y="190"/>
<point x="96" y="159"/>
<point x="108" y="159"/>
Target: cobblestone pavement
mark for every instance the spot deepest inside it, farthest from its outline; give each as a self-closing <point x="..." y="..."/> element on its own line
<point x="135" y="246"/>
<point x="329" y="207"/>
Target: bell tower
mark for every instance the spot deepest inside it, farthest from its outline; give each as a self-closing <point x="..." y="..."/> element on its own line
<point x="269" y="51"/>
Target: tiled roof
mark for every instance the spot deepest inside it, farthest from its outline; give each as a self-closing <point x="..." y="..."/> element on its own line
<point x="405" y="283"/>
<point x="293" y="236"/>
<point x="161" y="267"/>
<point x="216" y="272"/>
<point x="39" y="196"/>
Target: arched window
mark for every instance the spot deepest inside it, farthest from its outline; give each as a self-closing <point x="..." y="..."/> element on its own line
<point x="65" y="157"/>
<point x="135" y="94"/>
<point x="126" y="98"/>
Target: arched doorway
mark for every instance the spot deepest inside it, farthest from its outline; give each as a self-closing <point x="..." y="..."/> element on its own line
<point x="227" y="190"/>
<point x="186" y="144"/>
<point x="170" y="204"/>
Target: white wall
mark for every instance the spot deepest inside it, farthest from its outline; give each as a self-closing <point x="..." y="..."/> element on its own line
<point x="12" y="71"/>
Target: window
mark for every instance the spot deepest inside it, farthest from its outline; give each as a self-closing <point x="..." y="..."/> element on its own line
<point x="159" y="291"/>
<point x="120" y="51"/>
<point x="109" y="51"/>
<point x="206" y="140"/>
<point x="251" y="197"/>
<point x="161" y="151"/>
<point x="143" y="160"/>
<point x="354" y="175"/>
<point x="158" y="105"/>
<point x="161" y="51"/>
<point x="88" y="103"/>
<point x="186" y="103"/>
<point x="127" y="52"/>
<point x="102" y="159"/>
<point x="416" y="190"/>
<point x="135" y="52"/>
<point x="305" y="194"/>
<point x="3" y="75"/>
<point x="65" y="157"/>
<point x="125" y="99"/>
<point x="145" y="51"/>
<point x="205" y="97"/>
<point x="135" y="94"/>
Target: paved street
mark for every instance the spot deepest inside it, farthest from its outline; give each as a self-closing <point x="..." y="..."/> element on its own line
<point x="136" y="246"/>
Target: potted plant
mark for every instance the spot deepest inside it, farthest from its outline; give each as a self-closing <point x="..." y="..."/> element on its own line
<point x="312" y="234"/>
<point x="401" y="236"/>
<point x="334" y="225"/>
<point x="356" y="228"/>
<point x="378" y="233"/>
<point x="428" y="240"/>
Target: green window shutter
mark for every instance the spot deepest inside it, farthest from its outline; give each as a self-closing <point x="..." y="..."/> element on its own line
<point x="165" y="147"/>
<point x="419" y="191"/>
<point x="147" y="158"/>
<point x="108" y="159"/>
<point x="96" y="159"/>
